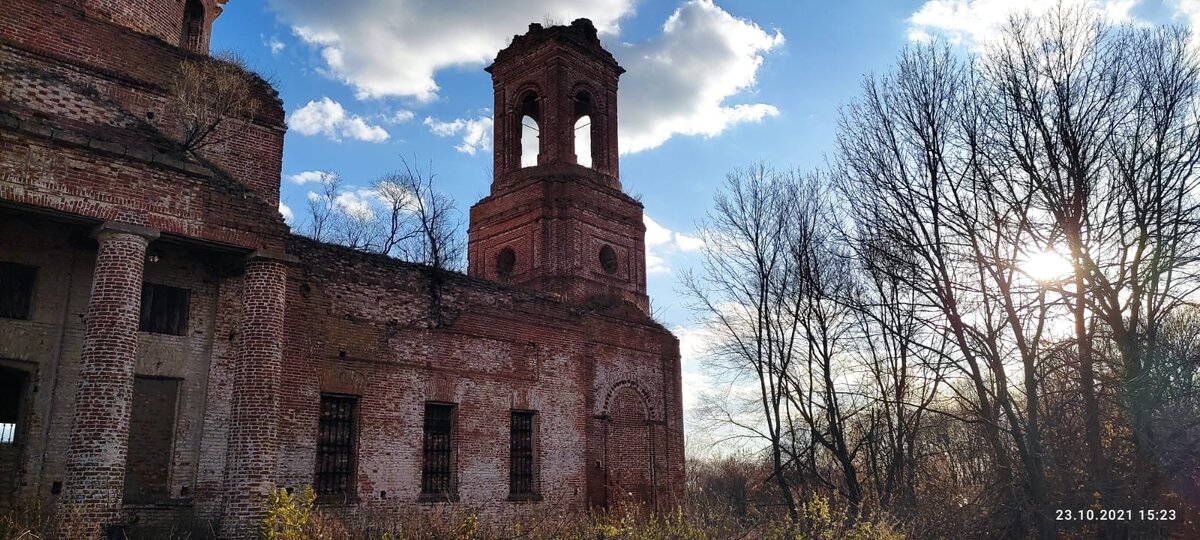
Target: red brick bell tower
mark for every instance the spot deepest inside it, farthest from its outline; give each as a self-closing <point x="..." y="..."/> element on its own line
<point x="559" y="224"/>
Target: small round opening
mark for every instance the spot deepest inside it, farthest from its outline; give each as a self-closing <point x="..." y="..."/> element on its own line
<point x="505" y="261"/>
<point x="608" y="259"/>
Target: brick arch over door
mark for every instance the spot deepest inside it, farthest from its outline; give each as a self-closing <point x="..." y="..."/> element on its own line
<point x="615" y="390"/>
<point x="630" y="448"/>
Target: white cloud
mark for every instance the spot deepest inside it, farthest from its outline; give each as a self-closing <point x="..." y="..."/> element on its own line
<point x="656" y="264"/>
<point x="693" y="345"/>
<point x="1189" y="11"/>
<point x="662" y="242"/>
<point x="357" y="204"/>
<point x="656" y="235"/>
<point x="306" y="177"/>
<point x="394" y="47"/>
<point x="389" y="193"/>
<point x="327" y="117"/>
<point x="274" y="44"/>
<point x="286" y="213"/>
<point x="688" y="243"/>
<point x="476" y="134"/>
<point x="657" y="238"/>
<point x="678" y="83"/>
<point x="974" y="22"/>
<point x="401" y="116"/>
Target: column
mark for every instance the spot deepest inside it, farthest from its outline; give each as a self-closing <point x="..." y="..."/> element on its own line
<point x="95" y="468"/>
<point x="252" y="456"/>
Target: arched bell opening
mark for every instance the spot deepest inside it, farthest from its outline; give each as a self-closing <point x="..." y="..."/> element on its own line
<point x="583" y="128"/>
<point x="529" y="149"/>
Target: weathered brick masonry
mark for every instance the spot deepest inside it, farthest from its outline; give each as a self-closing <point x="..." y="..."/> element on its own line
<point x="133" y="277"/>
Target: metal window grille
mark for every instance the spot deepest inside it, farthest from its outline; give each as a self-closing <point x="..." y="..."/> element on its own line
<point x="164" y="309"/>
<point x="16" y="290"/>
<point x="437" y="472"/>
<point x="520" y="475"/>
<point x="335" y="445"/>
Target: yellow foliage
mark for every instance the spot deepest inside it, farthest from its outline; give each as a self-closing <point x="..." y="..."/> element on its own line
<point x="287" y="515"/>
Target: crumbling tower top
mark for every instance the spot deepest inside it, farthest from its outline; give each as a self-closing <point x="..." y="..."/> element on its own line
<point x="556" y="84"/>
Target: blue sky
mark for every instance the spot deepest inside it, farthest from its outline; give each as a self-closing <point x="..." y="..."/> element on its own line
<point x="721" y="85"/>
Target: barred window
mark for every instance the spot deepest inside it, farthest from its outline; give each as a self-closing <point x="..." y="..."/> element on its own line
<point x="164" y="309"/>
<point x="437" y="474"/>
<point x="16" y="290"/>
<point x="336" y="446"/>
<point x="521" y="461"/>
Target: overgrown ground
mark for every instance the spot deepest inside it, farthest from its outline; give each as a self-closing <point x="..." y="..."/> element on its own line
<point x="721" y="504"/>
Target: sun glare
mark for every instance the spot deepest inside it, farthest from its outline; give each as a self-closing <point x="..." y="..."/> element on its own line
<point x="1046" y="266"/>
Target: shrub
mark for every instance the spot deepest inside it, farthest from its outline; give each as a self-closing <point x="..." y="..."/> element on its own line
<point x="288" y="517"/>
<point x="209" y="92"/>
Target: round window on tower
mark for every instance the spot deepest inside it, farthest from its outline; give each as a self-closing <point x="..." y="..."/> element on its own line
<point x="608" y="259"/>
<point x="505" y="261"/>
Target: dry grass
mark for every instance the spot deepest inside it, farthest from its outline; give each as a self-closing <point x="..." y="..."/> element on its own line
<point x="709" y="514"/>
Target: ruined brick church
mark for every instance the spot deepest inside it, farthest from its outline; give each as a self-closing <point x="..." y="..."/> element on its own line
<point x="170" y="351"/>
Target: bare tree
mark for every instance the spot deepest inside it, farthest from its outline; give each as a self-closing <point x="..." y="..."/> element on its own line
<point x="739" y="293"/>
<point x="400" y="214"/>
<point x="1109" y="141"/>
<point x="903" y="172"/>
<point x="208" y="93"/>
<point x="904" y="362"/>
<point x="904" y="348"/>
<point x="819" y="298"/>
<point x="322" y="208"/>
<point x="422" y="222"/>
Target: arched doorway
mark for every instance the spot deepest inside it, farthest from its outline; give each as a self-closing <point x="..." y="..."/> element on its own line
<point x="629" y="451"/>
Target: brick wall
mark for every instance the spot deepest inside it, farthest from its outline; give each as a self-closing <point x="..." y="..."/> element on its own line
<point x="49" y="345"/>
<point x="557" y="220"/>
<point x="78" y="147"/>
<point x="361" y="325"/>
<point x="502" y="349"/>
<point x="93" y="59"/>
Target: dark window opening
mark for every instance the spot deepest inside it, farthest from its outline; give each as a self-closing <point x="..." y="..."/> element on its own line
<point x="437" y="473"/>
<point x="608" y="259"/>
<point x="12" y="392"/>
<point x="193" y="26"/>
<point x="336" y="446"/>
<point x="151" y="437"/>
<point x="16" y="290"/>
<point x="506" y="260"/>
<point x="521" y="460"/>
<point x="164" y="309"/>
<point x="529" y="136"/>
<point x="583" y="129"/>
